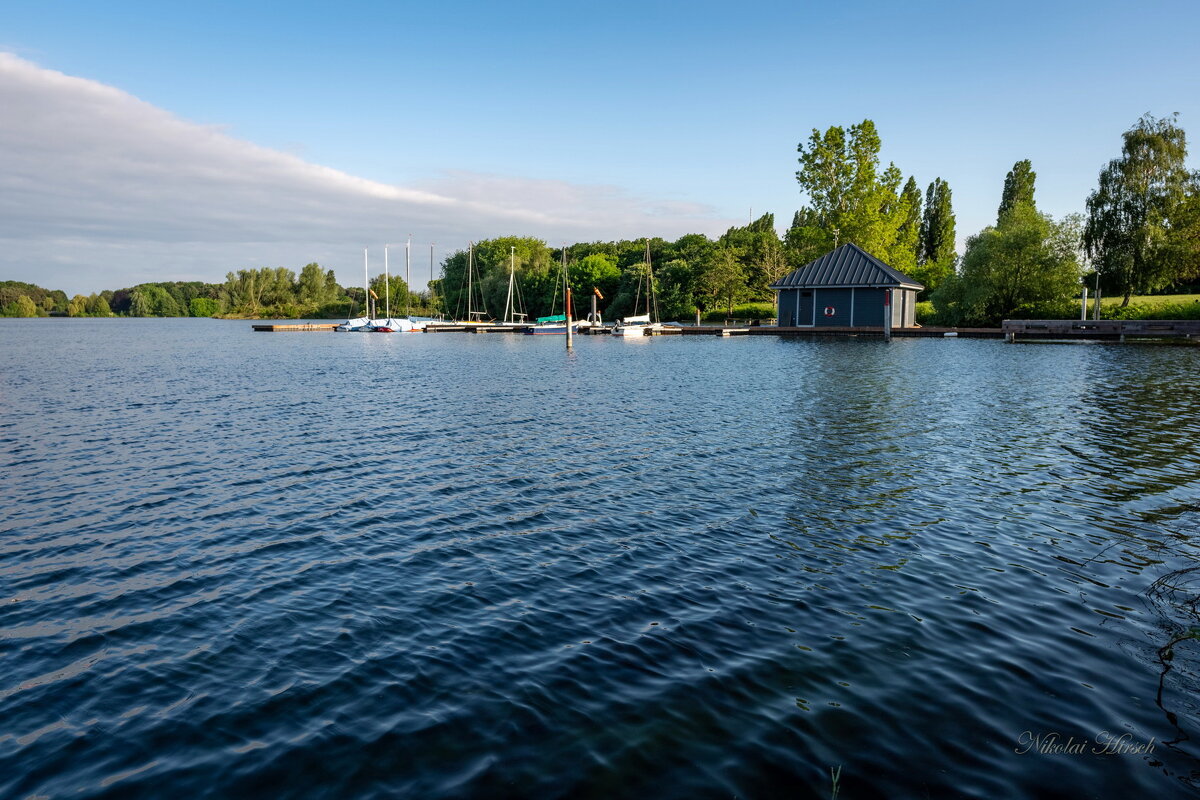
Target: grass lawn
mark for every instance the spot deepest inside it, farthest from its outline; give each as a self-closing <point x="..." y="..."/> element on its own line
<point x="1148" y="299"/>
<point x="1166" y="306"/>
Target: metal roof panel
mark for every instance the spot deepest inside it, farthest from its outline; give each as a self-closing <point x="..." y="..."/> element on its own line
<point x="848" y="265"/>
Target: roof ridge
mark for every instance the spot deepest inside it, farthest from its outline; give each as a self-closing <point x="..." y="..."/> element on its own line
<point x="846" y="265"/>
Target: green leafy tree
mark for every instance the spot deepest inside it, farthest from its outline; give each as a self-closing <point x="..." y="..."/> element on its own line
<point x="97" y="306"/>
<point x="279" y="286"/>
<point x="805" y="240"/>
<point x="1138" y="218"/>
<point x="78" y="306"/>
<point x="596" y="271"/>
<point x="1025" y="260"/>
<point x="677" y="285"/>
<point x="722" y="280"/>
<point x="11" y="290"/>
<point x="1018" y="187"/>
<point x="23" y="306"/>
<point x="760" y="253"/>
<point x="204" y="307"/>
<point x="936" y="255"/>
<point x="316" y="286"/>
<point x="152" y="300"/>
<point x="243" y="291"/>
<point x="850" y="198"/>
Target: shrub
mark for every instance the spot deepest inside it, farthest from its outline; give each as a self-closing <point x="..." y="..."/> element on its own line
<point x="925" y="313"/>
<point x="204" y="307"/>
<point x="744" y="311"/>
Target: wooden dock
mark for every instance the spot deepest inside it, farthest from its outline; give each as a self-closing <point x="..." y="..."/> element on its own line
<point x="1011" y="330"/>
<point x="1117" y="330"/>
<point x="307" y="326"/>
<point x="921" y="332"/>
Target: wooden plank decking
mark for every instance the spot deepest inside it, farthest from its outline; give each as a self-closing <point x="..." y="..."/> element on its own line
<point x="1101" y="329"/>
<point x="1011" y="330"/>
<point x="307" y="326"/>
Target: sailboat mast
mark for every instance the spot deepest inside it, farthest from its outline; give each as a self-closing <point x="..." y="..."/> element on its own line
<point x="387" y="286"/>
<point x="366" y="286"/>
<point x="407" y="273"/>
<point x="470" y="269"/>
<point x="512" y="270"/>
<point x="651" y="300"/>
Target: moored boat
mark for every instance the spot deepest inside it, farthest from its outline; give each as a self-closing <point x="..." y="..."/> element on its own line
<point x="357" y="324"/>
<point x="641" y="324"/>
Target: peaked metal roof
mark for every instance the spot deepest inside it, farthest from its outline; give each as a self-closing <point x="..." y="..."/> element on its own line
<point x="848" y="265"/>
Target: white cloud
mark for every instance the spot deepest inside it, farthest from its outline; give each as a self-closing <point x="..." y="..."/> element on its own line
<point x="100" y="190"/>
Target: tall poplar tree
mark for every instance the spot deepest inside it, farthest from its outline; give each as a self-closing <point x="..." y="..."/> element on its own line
<point x="1018" y="187"/>
<point x="935" y="254"/>
<point x="1138" y="215"/>
<point x="909" y="234"/>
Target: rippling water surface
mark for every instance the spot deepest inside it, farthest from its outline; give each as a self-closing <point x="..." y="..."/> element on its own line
<point x="236" y="564"/>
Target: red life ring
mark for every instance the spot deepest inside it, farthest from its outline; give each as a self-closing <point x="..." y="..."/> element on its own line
<point x="830" y="311"/>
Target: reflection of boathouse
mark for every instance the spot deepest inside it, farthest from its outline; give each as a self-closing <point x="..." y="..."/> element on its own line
<point x="846" y="288"/>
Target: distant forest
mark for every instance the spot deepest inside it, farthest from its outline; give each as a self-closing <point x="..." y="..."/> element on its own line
<point x="1140" y="235"/>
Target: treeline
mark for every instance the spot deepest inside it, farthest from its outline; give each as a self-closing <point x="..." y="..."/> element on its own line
<point x="19" y="299"/>
<point x="267" y="293"/>
<point x="692" y="272"/>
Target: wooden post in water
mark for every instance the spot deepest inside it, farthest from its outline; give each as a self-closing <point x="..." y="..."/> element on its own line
<point x="566" y="297"/>
<point x="887" y="315"/>
<point x="569" y="334"/>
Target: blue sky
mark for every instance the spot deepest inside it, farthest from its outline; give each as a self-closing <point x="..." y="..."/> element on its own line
<point x="690" y="112"/>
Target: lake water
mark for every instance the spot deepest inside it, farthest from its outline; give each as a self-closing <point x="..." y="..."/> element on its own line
<point x="245" y="565"/>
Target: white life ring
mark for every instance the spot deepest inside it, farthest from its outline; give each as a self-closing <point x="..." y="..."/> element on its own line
<point x="830" y="311"/>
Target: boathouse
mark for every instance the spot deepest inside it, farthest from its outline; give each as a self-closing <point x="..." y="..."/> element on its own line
<point x="849" y="288"/>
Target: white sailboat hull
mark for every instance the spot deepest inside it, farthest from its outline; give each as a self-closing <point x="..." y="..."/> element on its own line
<point x="636" y="330"/>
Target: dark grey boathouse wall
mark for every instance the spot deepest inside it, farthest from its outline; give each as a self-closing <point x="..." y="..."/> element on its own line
<point x="857" y="307"/>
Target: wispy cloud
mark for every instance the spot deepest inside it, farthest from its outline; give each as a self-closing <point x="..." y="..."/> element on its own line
<point x="100" y="189"/>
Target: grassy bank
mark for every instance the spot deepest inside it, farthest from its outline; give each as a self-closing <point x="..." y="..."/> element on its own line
<point x="1167" y="306"/>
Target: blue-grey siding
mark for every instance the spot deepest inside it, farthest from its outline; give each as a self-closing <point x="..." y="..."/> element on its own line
<point x="869" y="312"/>
<point x="833" y="307"/>
<point x="858" y="307"/>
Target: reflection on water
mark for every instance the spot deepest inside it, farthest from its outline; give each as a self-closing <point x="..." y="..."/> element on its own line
<point x="234" y="564"/>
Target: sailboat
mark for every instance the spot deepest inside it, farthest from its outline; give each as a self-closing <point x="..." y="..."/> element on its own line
<point x="474" y="317"/>
<point x="387" y="323"/>
<point x="556" y="324"/>
<point x="510" y="308"/>
<point x="641" y="324"/>
<point x="361" y="324"/>
<point x="405" y="324"/>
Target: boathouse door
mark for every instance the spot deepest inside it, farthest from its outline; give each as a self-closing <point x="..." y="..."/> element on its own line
<point x="804" y="308"/>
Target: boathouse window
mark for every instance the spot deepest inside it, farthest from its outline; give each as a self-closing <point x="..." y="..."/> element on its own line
<point x="806" y="294"/>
